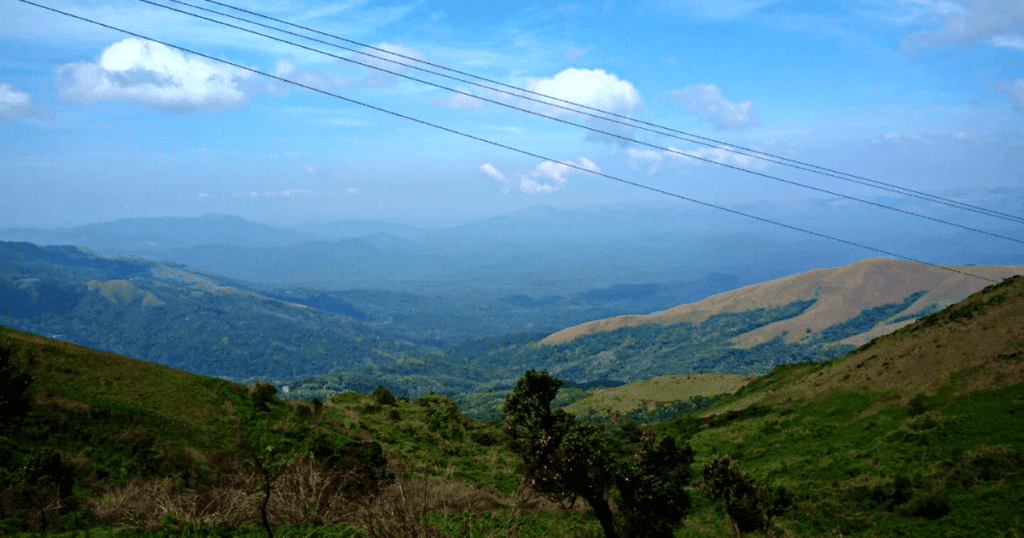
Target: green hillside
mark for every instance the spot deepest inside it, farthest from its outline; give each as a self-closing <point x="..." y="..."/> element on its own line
<point x="918" y="433"/>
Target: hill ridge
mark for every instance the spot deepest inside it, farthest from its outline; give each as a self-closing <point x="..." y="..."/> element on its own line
<point x="841" y="293"/>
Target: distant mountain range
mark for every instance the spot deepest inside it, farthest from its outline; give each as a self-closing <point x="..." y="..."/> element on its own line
<point x="542" y="251"/>
<point x="199" y="321"/>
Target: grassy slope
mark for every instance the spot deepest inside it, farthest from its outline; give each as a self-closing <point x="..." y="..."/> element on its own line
<point x="658" y="390"/>
<point x="940" y="402"/>
<point x="838" y="433"/>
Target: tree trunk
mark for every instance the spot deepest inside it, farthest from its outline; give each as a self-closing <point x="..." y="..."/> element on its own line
<point x="266" y="501"/>
<point x="604" y="515"/>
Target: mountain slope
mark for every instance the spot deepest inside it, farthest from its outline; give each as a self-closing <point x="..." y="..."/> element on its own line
<point x="918" y="433"/>
<point x="177" y="315"/>
<point x="841" y="294"/>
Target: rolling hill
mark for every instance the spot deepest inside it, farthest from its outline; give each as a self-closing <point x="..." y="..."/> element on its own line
<point x="917" y="433"/>
<point x="886" y="293"/>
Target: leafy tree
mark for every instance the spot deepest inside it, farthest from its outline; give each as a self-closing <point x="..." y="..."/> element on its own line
<point x="43" y="475"/>
<point x="268" y="450"/>
<point x="263" y="394"/>
<point x="650" y="496"/>
<point x="567" y="459"/>
<point x="750" y="506"/>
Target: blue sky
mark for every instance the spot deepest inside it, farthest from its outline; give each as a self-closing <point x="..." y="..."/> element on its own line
<point x="96" y="125"/>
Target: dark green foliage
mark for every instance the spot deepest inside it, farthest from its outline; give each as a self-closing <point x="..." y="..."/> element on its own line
<point x="662" y="413"/>
<point x="650" y="498"/>
<point x="318" y="406"/>
<point x="926" y="311"/>
<point x="917" y="405"/>
<point x="383" y="396"/>
<point x="44" y="467"/>
<point x="564" y="459"/>
<point x="932" y="507"/>
<point x="365" y="461"/>
<point x="485" y="438"/>
<point x="903" y="490"/>
<point x="749" y="505"/>
<point x="304" y="412"/>
<point x="15" y="398"/>
<point x="262" y="396"/>
<point x="864" y="321"/>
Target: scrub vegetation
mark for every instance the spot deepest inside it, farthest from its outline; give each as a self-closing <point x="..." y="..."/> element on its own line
<point x="917" y="433"/>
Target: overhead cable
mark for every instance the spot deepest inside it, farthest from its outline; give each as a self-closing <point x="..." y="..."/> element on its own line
<point x="667" y="149"/>
<point x="493" y="143"/>
<point x="728" y="147"/>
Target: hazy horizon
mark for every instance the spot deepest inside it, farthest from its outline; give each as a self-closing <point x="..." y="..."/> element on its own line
<point x="99" y="126"/>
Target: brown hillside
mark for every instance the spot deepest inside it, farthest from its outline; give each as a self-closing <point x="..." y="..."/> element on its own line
<point x="977" y="344"/>
<point x="842" y="293"/>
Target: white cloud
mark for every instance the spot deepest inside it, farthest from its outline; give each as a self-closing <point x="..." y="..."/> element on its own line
<point x="719" y="9"/>
<point x="546" y="178"/>
<point x="458" y="100"/>
<point x="575" y="53"/>
<point x="310" y="169"/>
<point x="719" y="155"/>
<point x="1015" y="42"/>
<point x="1013" y="90"/>
<point x="639" y="157"/>
<point x="998" y="22"/>
<point x="707" y="102"/>
<point x="379" y="79"/>
<point x="594" y="88"/>
<point x="352" y="190"/>
<point x="155" y="76"/>
<point x="14" y="104"/>
<point x="254" y="194"/>
<point x="313" y="79"/>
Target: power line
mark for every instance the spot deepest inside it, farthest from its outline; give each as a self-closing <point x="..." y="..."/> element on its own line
<point x="491" y="142"/>
<point x="736" y="149"/>
<point x="671" y="150"/>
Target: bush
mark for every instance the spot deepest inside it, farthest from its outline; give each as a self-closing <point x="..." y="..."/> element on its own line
<point x="902" y="490"/>
<point x="932" y="507"/>
<point x="318" y="406"/>
<point x="750" y="506"/>
<point x="262" y="394"/>
<point x="383" y="396"/>
<point x="917" y="405"/>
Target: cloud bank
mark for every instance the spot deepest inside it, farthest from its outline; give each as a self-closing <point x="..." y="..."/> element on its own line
<point x="155" y="76"/>
<point x="997" y="22"/>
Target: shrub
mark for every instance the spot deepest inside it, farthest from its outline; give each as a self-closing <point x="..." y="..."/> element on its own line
<point x="262" y="394"/>
<point x="902" y="490"/>
<point x="750" y="506"/>
<point x="932" y="507"/>
<point x="917" y="405"/>
<point x="318" y="406"/>
<point x="383" y="396"/>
